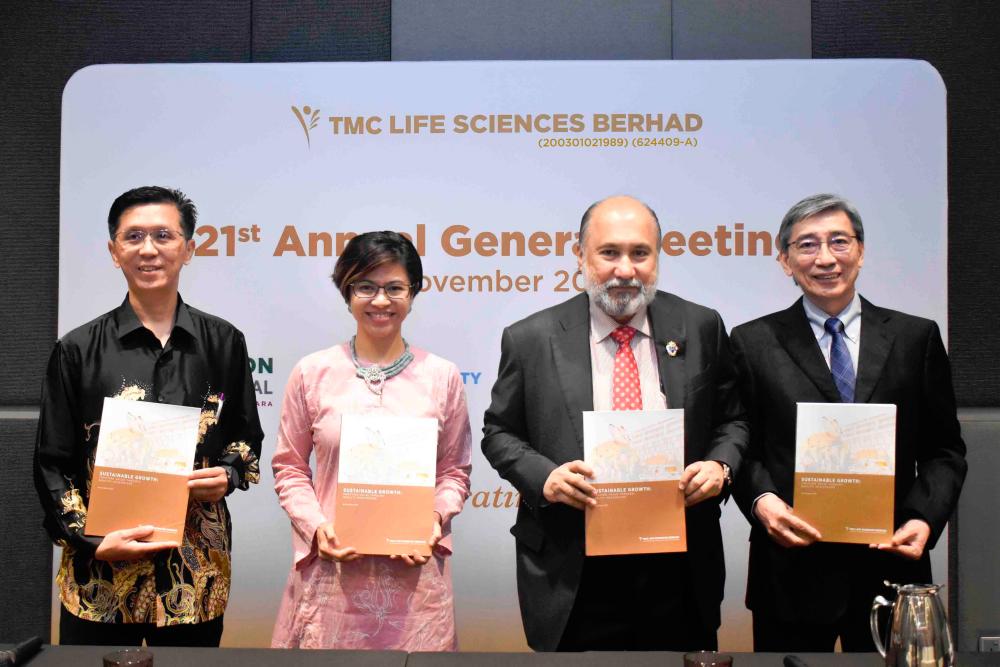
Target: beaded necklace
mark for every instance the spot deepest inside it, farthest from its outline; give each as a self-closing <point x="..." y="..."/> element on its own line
<point x="374" y="375"/>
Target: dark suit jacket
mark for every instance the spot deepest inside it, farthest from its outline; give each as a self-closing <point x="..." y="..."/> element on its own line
<point x="902" y="361"/>
<point x="535" y="423"/>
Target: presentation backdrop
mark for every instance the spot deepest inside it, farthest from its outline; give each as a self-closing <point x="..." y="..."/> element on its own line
<point x="489" y="166"/>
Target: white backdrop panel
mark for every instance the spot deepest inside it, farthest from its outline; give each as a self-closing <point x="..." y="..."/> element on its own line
<point x="770" y="133"/>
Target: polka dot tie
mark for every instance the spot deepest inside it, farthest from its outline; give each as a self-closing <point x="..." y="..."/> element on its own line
<point x="625" y="394"/>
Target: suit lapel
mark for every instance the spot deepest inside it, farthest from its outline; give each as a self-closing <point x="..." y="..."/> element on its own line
<point x="667" y="325"/>
<point x="876" y="341"/>
<point x="571" y="356"/>
<point x="798" y="339"/>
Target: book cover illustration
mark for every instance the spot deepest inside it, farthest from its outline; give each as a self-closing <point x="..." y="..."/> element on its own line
<point x="385" y="483"/>
<point x="145" y="452"/>
<point x="638" y="459"/>
<point x="845" y="465"/>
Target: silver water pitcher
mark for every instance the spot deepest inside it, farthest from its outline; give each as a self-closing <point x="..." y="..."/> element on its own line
<point x="918" y="628"/>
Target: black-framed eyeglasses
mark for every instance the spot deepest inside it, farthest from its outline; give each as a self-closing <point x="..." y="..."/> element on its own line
<point x="838" y="245"/>
<point x="366" y="289"/>
<point x="135" y="238"/>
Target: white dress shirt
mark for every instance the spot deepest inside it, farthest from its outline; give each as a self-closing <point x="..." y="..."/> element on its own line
<point x="850" y="316"/>
<point x="602" y="359"/>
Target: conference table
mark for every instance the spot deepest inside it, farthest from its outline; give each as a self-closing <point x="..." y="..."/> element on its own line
<point x="82" y="656"/>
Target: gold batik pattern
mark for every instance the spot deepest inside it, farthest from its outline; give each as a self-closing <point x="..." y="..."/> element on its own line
<point x="251" y="465"/>
<point x="209" y="416"/>
<point x="74" y="509"/>
<point x="125" y="591"/>
<point x="198" y="572"/>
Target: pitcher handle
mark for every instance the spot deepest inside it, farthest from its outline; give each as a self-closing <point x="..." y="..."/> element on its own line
<point x="878" y="602"/>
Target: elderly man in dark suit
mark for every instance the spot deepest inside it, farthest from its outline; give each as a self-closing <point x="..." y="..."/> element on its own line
<point x="573" y="357"/>
<point x="834" y="346"/>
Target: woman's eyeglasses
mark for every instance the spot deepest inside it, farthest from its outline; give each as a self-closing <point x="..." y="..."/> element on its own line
<point x="365" y="289"/>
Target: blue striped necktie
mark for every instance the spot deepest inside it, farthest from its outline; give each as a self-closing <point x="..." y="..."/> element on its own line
<point x="840" y="360"/>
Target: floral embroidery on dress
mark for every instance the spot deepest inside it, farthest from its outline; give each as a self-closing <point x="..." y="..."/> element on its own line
<point x="378" y="598"/>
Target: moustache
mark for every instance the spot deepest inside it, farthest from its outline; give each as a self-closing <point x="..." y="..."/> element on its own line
<point x="618" y="282"/>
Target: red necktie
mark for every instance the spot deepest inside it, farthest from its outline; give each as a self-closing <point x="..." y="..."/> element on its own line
<point x="625" y="393"/>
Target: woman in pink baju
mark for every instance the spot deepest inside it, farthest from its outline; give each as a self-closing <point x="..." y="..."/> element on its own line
<point x="336" y="597"/>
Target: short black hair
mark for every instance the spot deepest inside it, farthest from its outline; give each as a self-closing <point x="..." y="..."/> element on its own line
<point x="366" y="252"/>
<point x="154" y="194"/>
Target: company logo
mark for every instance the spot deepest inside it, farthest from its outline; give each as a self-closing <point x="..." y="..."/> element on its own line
<point x="308" y="119"/>
<point x="554" y="129"/>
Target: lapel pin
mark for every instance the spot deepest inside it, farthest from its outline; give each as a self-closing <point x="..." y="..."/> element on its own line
<point x="672" y="349"/>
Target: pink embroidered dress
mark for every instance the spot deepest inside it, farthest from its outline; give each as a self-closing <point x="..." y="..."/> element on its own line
<point x="374" y="602"/>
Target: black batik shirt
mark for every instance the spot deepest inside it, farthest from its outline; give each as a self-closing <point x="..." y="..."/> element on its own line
<point x="203" y="364"/>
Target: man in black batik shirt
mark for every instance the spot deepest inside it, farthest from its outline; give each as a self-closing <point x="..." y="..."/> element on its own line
<point x="119" y="589"/>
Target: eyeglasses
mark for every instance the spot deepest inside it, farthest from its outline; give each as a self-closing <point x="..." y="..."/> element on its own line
<point x="366" y="289"/>
<point x="136" y="238"/>
<point x="838" y="245"/>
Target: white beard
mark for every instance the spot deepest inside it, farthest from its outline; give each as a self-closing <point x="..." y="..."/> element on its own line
<point x="624" y="305"/>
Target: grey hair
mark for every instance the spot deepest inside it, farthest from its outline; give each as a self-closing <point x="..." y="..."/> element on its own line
<point x="812" y="205"/>
<point x="585" y="220"/>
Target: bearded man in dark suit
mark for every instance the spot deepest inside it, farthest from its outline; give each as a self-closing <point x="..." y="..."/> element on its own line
<point x="560" y="362"/>
<point x="832" y="345"/>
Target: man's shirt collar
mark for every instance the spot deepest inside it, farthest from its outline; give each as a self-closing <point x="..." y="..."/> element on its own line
<point x="602" y="324"/>
<point x="850" y="316"/>
<point x="128" y="322"/>
<point x="183" y="319"/>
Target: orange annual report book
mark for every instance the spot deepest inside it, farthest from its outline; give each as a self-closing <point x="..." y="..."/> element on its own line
<point x="638" y="458"/>
<point x="845" y="470"/>
<point x="145" y="453"/>
<point x="385" y="483"/>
